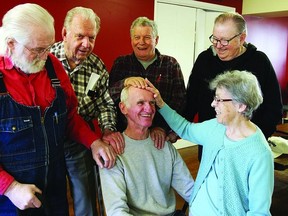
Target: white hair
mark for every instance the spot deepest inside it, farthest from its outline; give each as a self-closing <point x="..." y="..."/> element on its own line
<point x="19" y="23"/>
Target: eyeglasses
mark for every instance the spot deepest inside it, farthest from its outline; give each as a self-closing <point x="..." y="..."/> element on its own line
<point x="214" y="40"/>
<point x="218" y="100"/>
<point x="39" y="52"/>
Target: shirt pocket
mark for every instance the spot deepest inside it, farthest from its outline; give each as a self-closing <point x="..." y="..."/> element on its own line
<point x="59" y="126"/>
<point x="16" y="136"/>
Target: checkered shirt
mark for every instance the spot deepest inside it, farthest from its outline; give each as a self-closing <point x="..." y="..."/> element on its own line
<point x="100" y="105"/>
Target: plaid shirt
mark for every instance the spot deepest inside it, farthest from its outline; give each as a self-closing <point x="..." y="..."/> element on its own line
<point x="165" y="73"/>
<point x="98" y="106"/>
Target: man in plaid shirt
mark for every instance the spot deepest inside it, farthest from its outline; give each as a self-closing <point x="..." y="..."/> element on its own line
<point x="147" y="62"/>
<point x="89" y="78"/>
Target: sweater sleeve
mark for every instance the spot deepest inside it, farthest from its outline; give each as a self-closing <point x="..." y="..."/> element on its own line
<point x="182" y="180"/>
<point x="114" y="190"/>
<point x="261" y="181"/>
<point x="271" y="107"/>
<point x="193" y="88"/>
<point x="186" y="130"/>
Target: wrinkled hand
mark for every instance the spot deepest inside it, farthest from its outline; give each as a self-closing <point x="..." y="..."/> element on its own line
<point x="23" y="195"/>
<point x="157" y="96"/>
<point x="115" y="139"/>
<point x="103" y="154"/>
<point x="138" y="82"/>
<point x="158" y="135"/>
<point x="172" y="137"/>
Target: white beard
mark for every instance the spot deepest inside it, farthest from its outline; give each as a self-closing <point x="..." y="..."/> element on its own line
<point x="27" y="67"/>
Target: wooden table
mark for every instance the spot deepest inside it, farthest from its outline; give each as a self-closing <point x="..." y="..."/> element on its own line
<point x="282" y="129"/>
<point x="281" y="163"/>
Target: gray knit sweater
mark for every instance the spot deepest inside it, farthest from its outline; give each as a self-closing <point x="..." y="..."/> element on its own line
<point x="143" y="179"/>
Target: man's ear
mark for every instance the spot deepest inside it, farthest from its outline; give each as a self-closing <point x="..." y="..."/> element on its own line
<point x="243" y="38"/>
<point x="122" y="107"/>
<point x="11" y="43"/>
<point x="157" y="39"/>
<point x="64" y="33"/>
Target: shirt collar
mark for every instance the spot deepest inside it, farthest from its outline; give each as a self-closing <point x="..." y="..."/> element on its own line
<point x="59" y="52"/>
<point x="7" y="64"/>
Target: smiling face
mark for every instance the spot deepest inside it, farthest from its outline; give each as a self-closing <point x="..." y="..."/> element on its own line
<point x="143" y="43"/>
<point x="79" y="40"/>
<point x="226" y="31"/>
<point x="226" y="111"/>
<point x="139" y="108"/>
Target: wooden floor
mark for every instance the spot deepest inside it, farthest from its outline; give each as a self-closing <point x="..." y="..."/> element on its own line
<point x="190" y="156"/>
<point x="280" y="196"/>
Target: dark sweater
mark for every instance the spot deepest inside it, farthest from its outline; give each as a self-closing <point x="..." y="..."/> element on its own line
<point x="208" y="66"/>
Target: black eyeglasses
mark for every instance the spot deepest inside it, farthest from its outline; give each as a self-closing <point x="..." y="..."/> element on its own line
<point x="218" y="100"/>
<point x="214" y="40"/>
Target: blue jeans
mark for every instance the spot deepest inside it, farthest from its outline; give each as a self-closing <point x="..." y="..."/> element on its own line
<point x="80" y="171"/>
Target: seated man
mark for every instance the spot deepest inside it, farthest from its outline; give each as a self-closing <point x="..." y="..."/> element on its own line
<point x="143" y="179"/>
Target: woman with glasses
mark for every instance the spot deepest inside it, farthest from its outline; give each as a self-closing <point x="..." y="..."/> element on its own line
<point x="236" y="174"/>
<point x="230" y="51"/>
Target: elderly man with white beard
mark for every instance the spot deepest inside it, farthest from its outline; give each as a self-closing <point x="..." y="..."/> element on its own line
<point x="38" y="108"/>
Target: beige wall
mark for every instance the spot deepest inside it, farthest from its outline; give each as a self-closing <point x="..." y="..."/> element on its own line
<point x="273" y="8"/>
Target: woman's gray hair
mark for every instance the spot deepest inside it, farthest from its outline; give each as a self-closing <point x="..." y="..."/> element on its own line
<point x="243" y="87"/>
<point x="144" y="21"/>
<point x="238" y="20"/>
<point x="19" y="23"/>
<point x="86" y="13"/>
